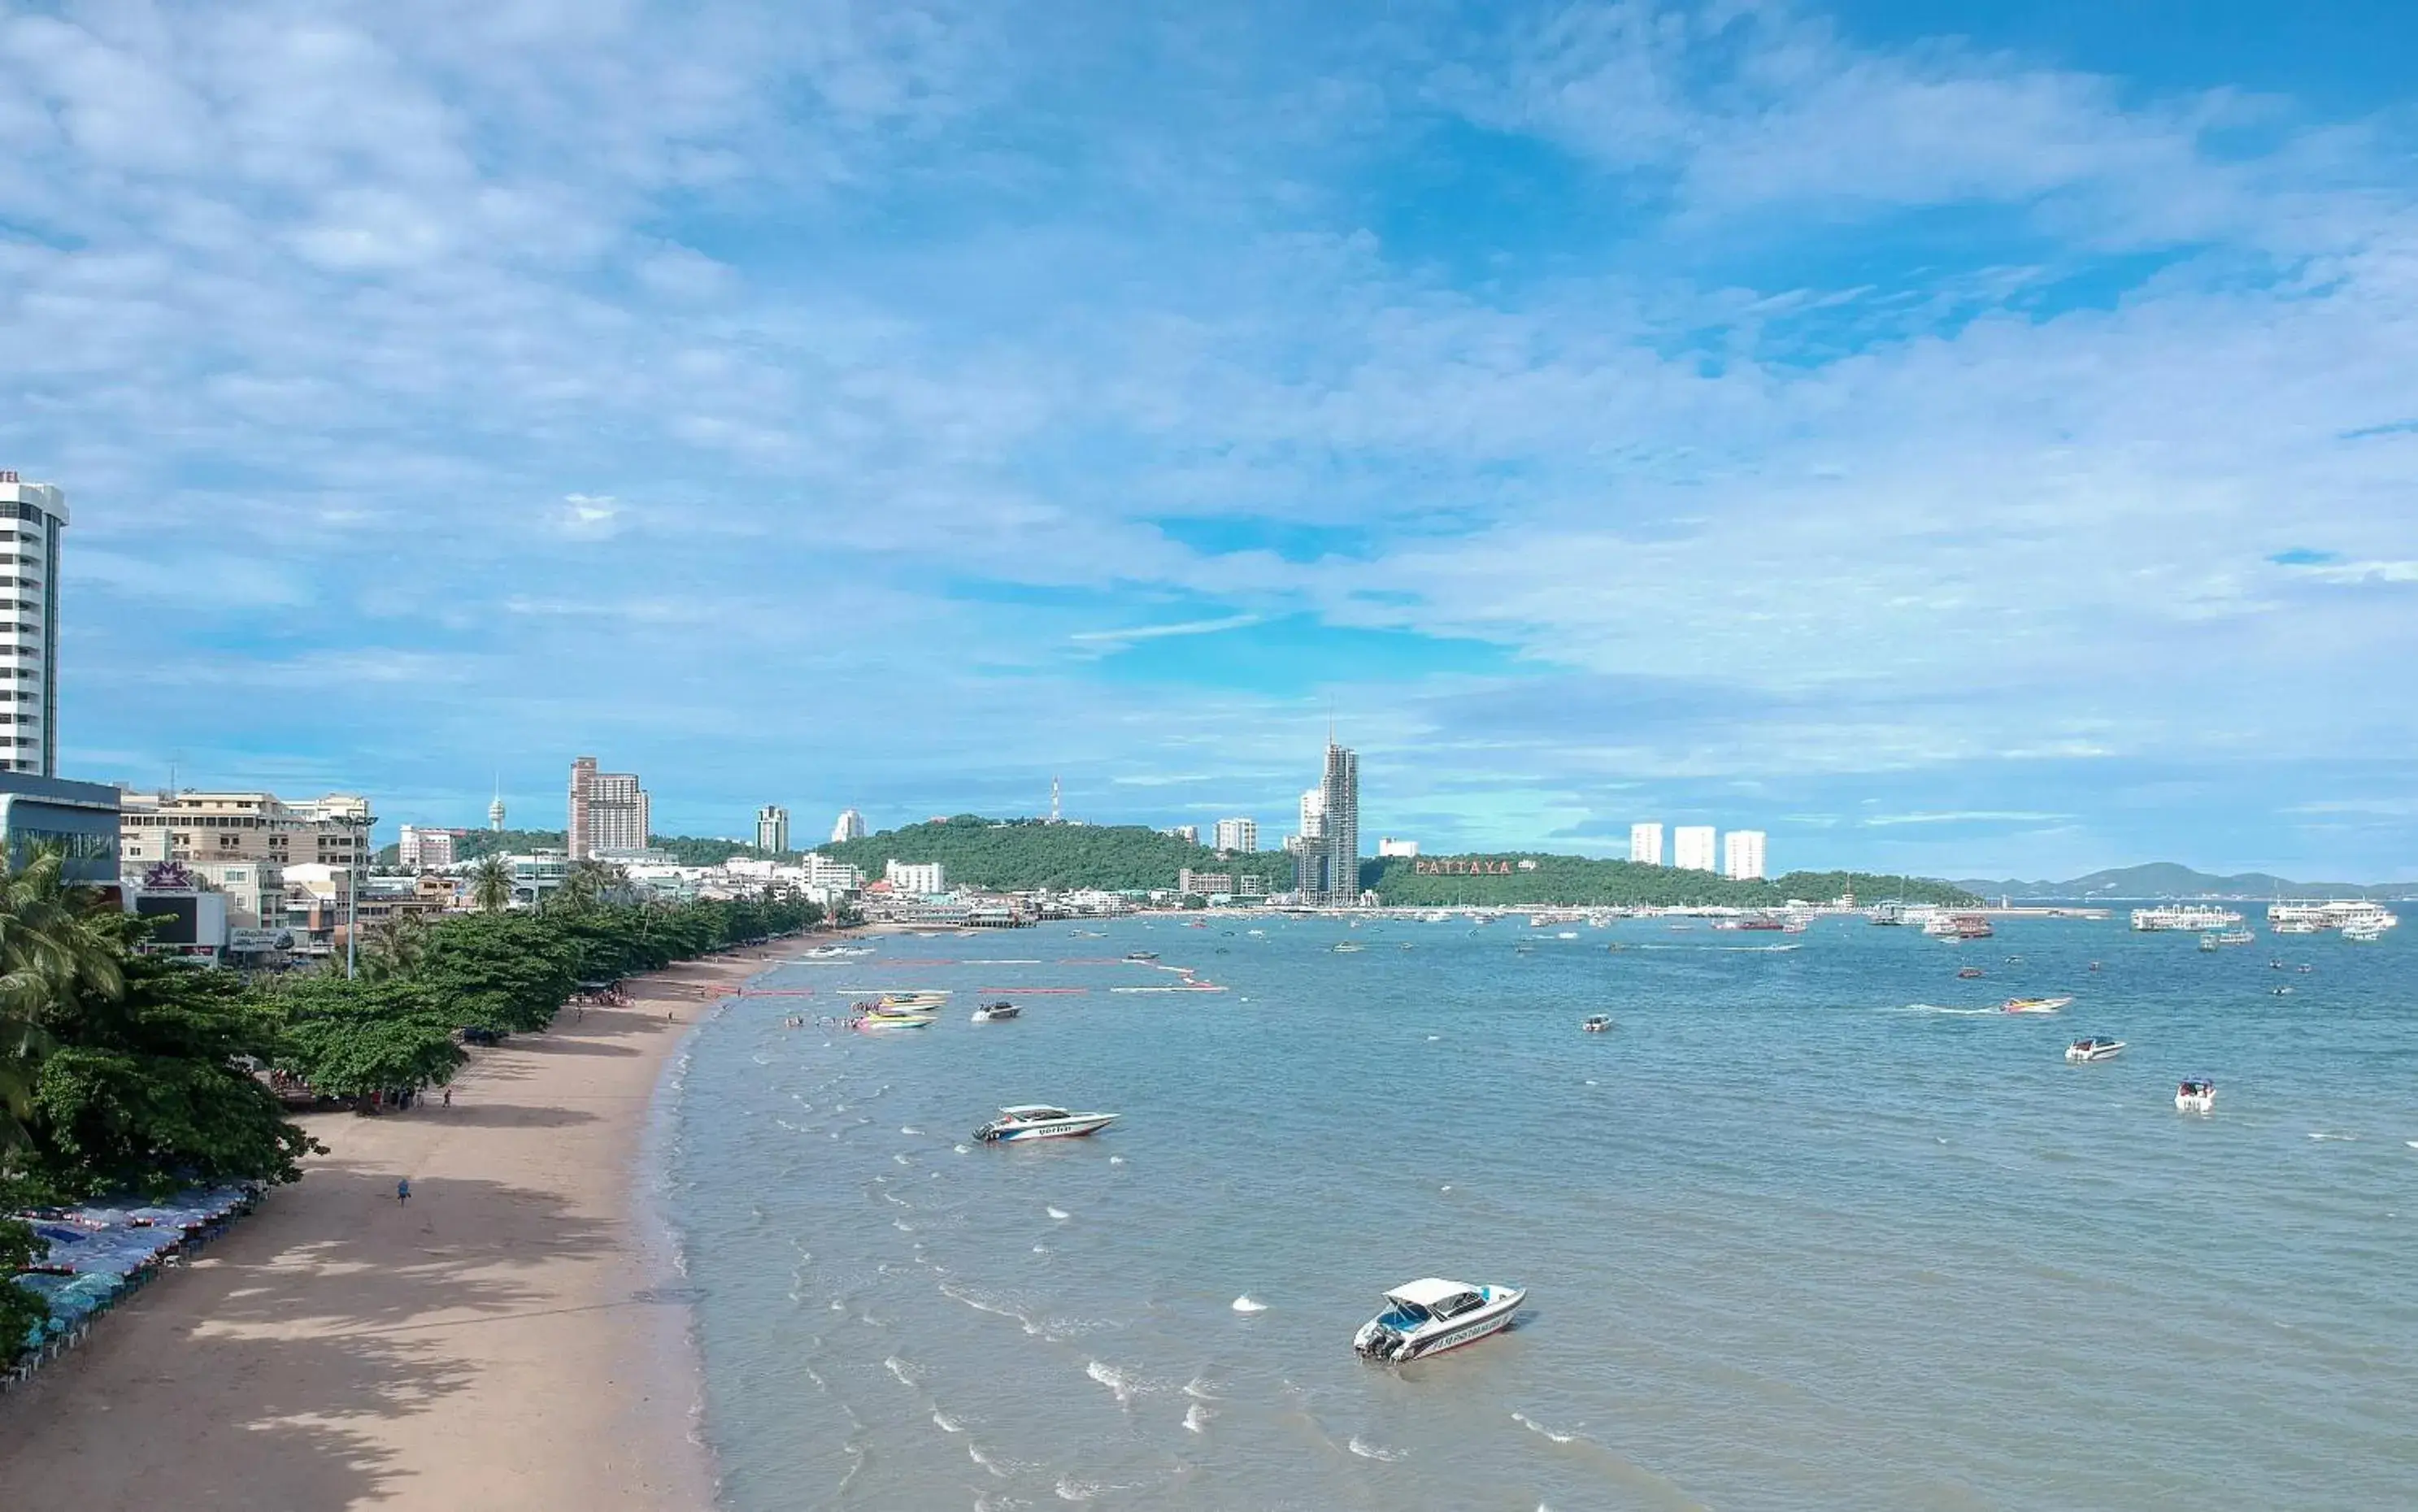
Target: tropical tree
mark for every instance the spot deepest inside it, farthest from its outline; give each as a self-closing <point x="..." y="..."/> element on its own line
<point x="491" y="885"/>
<point x="395" y="946"/>
<point x="51" y="948"/>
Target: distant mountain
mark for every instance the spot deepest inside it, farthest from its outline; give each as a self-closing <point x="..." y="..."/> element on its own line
<point x="2166" y="879"/>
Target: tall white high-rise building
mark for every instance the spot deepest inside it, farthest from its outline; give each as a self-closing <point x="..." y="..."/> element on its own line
<point x="1742" y="854"/>
<point x="1237" y="834"/>
<point x="851" y="826"/>
<point x="1645" y="843"/>
<point x="609" y="811"/>
<point x="1692" y="847"/>
<point x="771" y="828"/>
<point x="32" y="515"/>
<point x="1327" y="869"/>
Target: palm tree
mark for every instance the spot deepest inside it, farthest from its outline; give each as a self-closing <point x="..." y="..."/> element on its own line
<point x="51" y="948"/>
<point x="491" y="885"/>
<point x="588" y="883"/>
<point x="395" y="947"/>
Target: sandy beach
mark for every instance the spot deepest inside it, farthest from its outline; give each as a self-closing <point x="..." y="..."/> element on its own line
<point x="506" y="1339"/>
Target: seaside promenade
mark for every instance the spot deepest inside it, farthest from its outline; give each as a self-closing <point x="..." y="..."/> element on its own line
<point x="506" y="1340"/>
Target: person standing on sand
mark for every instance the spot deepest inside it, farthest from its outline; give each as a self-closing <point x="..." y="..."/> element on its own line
<point x="402" y="1190"/>
<point x="448" y="1096"/>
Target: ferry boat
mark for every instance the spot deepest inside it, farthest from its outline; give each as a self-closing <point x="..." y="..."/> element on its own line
<point x="1431" y="1316"/>
<point x="2208" y="942"/>
<point x="2363" y="934"/>
<point x="2185" y="916"/>
<point x="2197" y="1096"/>
<point x="2033" y="1006"/>
<point x="2298" y="927"/>
<point x="1888" y="913"/>
<point x="996" y="1013"/>
<point x="2339" y="913"/>
<point x="1958" y="926"/>
<point x="1041" y="1120"/>
<point x="1597" y="1023"/>
<point x="2094" y="1050"/>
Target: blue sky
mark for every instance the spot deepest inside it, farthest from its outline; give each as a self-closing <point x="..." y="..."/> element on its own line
<point x="1963" y="438"/>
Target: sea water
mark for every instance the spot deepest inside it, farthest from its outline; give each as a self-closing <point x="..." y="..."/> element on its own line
<point x="1812" y="1227"/>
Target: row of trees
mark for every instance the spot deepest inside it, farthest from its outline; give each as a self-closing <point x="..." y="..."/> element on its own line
<point x="125" y="1072"/>
<point x="689" y="850"/>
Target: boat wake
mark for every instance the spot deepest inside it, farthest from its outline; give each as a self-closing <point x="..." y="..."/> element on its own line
<point x="2324" y="1134"/>
<point x="1059" y="1214"/>
<point x="1244" y="1304"/>
<point x="1535" y="1426"/>
<point x="1939" y="1008"/>
<point x="1196" y="1418"/>
<point x="1120" y="1385"/>
<point x="1373" y="1451"/>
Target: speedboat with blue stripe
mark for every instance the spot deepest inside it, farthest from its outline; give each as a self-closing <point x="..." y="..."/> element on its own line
<point x="1431" y="1316"/>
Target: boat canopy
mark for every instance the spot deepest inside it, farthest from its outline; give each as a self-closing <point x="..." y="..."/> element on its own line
<point x="1032" y="1110"/>
<point x="1427" y="1294"/>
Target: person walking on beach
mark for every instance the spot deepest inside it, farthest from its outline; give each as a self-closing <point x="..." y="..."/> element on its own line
<point x="402" y="1190"/>
<point x="448" y="1096"/>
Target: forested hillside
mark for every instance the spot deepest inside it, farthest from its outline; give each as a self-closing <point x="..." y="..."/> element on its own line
<point x="1499" y="880"/>
<point x="1027" y="853"/>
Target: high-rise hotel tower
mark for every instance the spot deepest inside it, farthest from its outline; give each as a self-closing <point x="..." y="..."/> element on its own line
<point x="1327" y="869"/>
<point x="31" y="517"/>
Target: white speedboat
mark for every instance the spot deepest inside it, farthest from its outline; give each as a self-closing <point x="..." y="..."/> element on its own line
<point x="1141" y="958"/>
<point x="875" y="1023"/>
<point x="1597" y="1023"/>
<point x="912" y="1003"/>
<point x="2195" y="1097"/>
<point x="1040" y="1121"/>
<point x="996" y="1013"/>
<point x="2094" y="1050"/>
<point x="1344" y="947"/>
<point x="2033" y="1006"/>
<point x="1431" y="1316"/>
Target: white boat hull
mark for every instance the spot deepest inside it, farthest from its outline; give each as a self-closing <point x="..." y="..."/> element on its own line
<point x="2094" y="1052"/>
<point x="1377" y="1342"/>
<point x="1068" y="1128"/>
<point x="2196" y="1102"/>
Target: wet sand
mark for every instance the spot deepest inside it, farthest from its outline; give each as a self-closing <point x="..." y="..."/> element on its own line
<point x="508" y="1340"/>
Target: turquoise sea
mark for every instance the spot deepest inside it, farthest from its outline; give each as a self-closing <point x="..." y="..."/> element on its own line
<point x="1811" y="1228"/>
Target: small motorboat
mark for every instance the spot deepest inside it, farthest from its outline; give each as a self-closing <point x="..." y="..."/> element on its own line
<point x="1346" y="947"/>
<point x="996" y="1013"/>
<point x="872" y="1023"/>
<point x="2281" y="992"/>
<point x="1427" y="1317"/>
<point x="2094" y="1048"/>
<point x="2033" y="1006"/>
<point x="2094" y="965"/>
<point x="1597" y="1023"/>
<point x="1968" y="973"/>
<point x="2195" y="1097"/>
<point x="911" y="1003"/>
<point x="1040" y="1121"/>
<point x="1141" y="956"/>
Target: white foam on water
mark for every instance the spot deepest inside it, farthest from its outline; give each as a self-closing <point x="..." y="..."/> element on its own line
<point x="904" y="1129"/>
<point x="1244" y="1304"/>
<point x="1116" y="1160"/>
<point x="1071" y="1490"/>
<point x="2320" y="1133"/>
<point x="901" y="1369"/>
<point x="1059" y="1214"/>
<point x="973" y="1452"/>
<point x="1590" y="1081"/>
<point x="1196" y="1418"/>
<point x="1433" y="1038"/>
<point x="945" y="1423"/>
<point x="1535" y="1426"/>
<point x="1041" y="1249"/>
<point x="1199" y="1390"/>
<point x="903" y="1160"/>
<point x="962" y="1149"/>
<point x="1118" y="1383"/>
<point x="1373" y="1451"/>
<point x="902" y="1226"/>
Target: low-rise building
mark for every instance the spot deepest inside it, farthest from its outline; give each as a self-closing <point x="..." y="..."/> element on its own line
<point x="191" y="825"/>
<point x="922" y="879"/>
<point x="77" y="819"/>
<point x="1203" y="884"/>
<point x="420" y="848"/>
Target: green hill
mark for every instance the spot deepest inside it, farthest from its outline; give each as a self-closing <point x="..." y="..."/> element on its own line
<point x="2167" y="879"/>
<point x="1027" y="853"/>
<point x="1498" y="880"/>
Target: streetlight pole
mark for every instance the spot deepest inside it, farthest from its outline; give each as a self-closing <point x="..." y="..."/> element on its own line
<point x="353" y="899"/>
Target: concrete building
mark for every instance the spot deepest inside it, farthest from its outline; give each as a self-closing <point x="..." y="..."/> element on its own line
<point x="78" y="819"/>
<point x="1327" y="869"/>
<point x="1236" y="835"/>
<point x="1204" y="884"/>
<point x="850" y="826"/>
<point x="254" y="891"/>
<point x="609" y="811"/>
<point x="1692" y="847"/>
<point x="1645" y="843"/>
<point x="419" y="849"/>
<point x="1189" y="834"/>
<point x="771" y="828"/>
<point x="32" y="518"/>
<point x="1388" y="846"/>
<point x="206" y="826"/>
<point x="822" y="871"/>
<point x="915" y="878"/>
<point x="1742" y="854"/>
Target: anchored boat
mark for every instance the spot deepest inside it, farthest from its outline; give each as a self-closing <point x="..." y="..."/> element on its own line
<point x="996" y="1013"/>
<point x="1429" y="1316"/>
<point x="2195" y="1097"/>
<point x="1597" y="1023"/>
<point x="1040" y="1121"/>
<point x="2094" y="1050"/>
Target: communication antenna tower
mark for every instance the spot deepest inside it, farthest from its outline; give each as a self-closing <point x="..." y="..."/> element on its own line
<point x="1055" y="818"/>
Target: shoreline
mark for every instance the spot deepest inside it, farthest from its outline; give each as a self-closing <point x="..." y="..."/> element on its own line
<point x="517" y="1334"/>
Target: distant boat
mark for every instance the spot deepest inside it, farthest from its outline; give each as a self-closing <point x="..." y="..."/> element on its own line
<point x="1597" y="1023"/>
<point x="1346" y="947"/>
<point x="2033" y="1006"/>
<point x="2195" y="1097"/>
<point x="2094" y="1050"/>
<point x="1141" y="956"/>
<point x="1041" y="1120"/>
<point x="1968" y="973"/>
<point x="996" y="1013"/>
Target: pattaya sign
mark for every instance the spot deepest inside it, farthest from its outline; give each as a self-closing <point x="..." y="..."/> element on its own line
<point x="1461" y="866"/>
